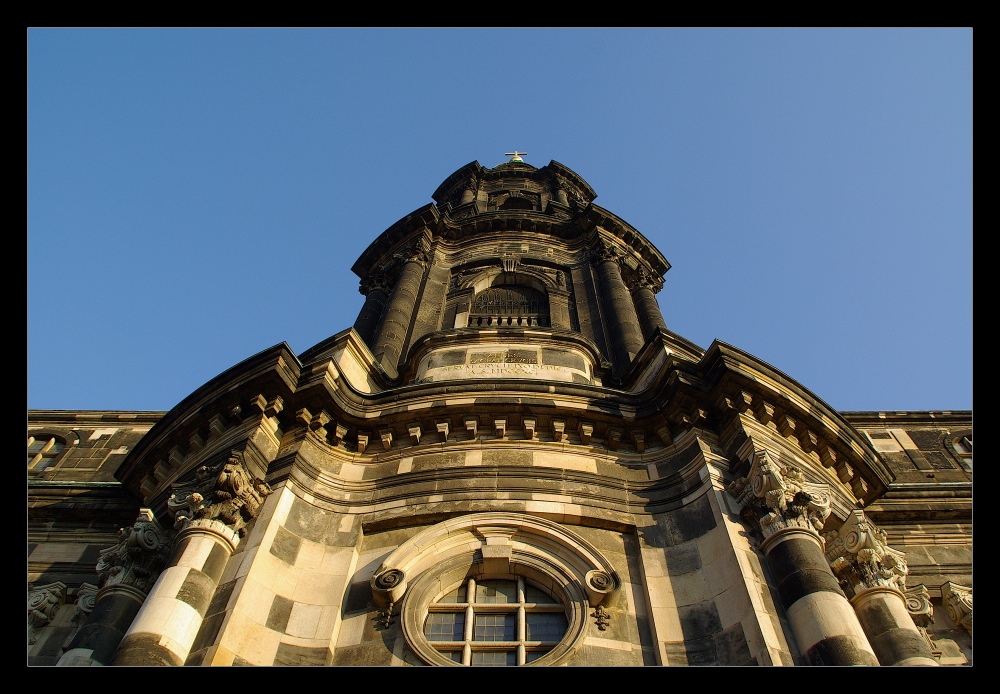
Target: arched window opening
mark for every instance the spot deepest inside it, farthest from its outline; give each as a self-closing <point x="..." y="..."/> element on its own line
<point x="509" y="306"/>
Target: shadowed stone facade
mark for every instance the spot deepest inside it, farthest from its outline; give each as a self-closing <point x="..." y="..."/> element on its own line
<point x="509" y="459"/>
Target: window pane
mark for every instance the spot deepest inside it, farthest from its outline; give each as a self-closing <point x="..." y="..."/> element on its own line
<point x="494" y="658"/>
<point x="456" y="595"/>
<point x="537" y="595"/>
<point x="533" y="655"/>
<point x="445" y="626"/>
<point x="452" y="655"/>
<point x="495" y="627"/>
<point x="544" y="626"/>
<point x="496" y="591"/>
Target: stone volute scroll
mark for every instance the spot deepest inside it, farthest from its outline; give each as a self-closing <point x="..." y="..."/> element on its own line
<point x="43" y="602"/>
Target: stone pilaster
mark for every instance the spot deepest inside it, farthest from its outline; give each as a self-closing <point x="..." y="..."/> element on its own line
<point x="391" y="334"/>
<point x="211" y="509"/>
<point x="790" y="513"/>
<point x="873" y="576"/>
<point x="623" y="323"/>
<point x="128" y="570"/>
<point x="644" y="288"/>
<point x="376" y="289"/>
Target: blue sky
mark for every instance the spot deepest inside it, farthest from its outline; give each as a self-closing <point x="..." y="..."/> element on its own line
<point x="198" y="195"/>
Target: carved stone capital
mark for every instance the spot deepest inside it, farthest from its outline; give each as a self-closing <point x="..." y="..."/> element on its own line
<point x="142" y="551"/>
<point x="958" y="602"/>
<point x="603" y="251"/>
<point x="226" y="493"/>
<point x="645" y="280"/>
<point x="43" y="601"/>
<point x="416" y="253"/>
<point x="377" y="280"/>
<point x="918" y="604"/>
<point x="778" y="497"/>
<point x="862" y="559"/>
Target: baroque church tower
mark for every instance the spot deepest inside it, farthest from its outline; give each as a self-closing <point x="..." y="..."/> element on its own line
<point x="511" y="460"/>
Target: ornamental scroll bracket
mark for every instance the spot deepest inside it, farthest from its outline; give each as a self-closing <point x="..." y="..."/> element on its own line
<point x="958" y="602"/>
<point x="226" y="493"/>
<point x="43" y="602"/>
<point x="779" y="497"/>
<point x="861" y="558"/>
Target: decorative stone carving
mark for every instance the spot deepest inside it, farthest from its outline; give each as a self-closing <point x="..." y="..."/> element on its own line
<point x="958" y="602"/>
<point x="86" y="598"/>
<point x="376" y="280"/>
<point x="918" y="604"/>
<point x="780" y="497"/>
<point x="602" y="251"/>
<point x="142" y="551"/>
<point x="861" y="557"/>
<point x="645" y="280"/>
<point x="43" y="602"/>
<point x="225" y="493"/>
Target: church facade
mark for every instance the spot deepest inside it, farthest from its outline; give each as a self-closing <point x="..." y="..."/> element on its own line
<point x="507" y="460"/>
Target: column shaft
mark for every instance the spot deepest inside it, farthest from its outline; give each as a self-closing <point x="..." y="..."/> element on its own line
<point x="626" y="336"/>
<point x="890" y="628"/>
<point x="98" y="639"/>
<point x="371" y="314"/>
<point x="165" y="628"/>
<point x="648" y="311"/>
<point x="391" y="334"/>
<point x="823" y="621"/>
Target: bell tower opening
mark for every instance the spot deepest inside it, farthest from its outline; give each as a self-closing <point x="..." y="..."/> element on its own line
<point x="507" y="304"/>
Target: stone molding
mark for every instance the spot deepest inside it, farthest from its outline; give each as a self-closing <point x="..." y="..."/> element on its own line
<point x="958" y="602"/>
<point x="142" y="551"/>
<point x="226" y="493"/>
<point x="861" y="558"/>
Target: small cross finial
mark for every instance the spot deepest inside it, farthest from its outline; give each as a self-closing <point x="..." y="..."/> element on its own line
<point x="515" y="155"/>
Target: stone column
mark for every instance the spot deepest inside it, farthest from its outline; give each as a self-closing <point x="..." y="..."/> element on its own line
<point x="375" y="287"/>
<point x="626" y="336"/>
<point x="790" y="512"/>
<point x="643" y="289"/>
<point x="873" y="576"/>
<point x="211" y="509"/>
<point x="128" y="571"/>
<point x="391" y="334"/>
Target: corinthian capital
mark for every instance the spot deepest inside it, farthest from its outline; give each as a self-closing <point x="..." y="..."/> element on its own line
<point x="779" y="497"/>
<point x="141" y="553"/>
<point x="227" y="493"/>
<point x="602" y="251"/>
<point x="376" y="280"/>
<point x="645" y="280"/>
<point x="861" y="557"/>
<point x="958" y="602"/>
